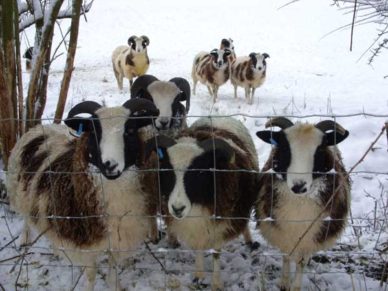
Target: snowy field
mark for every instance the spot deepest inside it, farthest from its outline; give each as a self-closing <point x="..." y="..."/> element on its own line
<point x="310" y="76"/>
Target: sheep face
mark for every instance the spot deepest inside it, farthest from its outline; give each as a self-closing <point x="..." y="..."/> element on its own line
<point x="227" y="44"/>
<point x="187" y="177"/>
<point x="258" y="61"/>
<point x="166" y="97"/>
<point x="138" y="44"/>
<point x="301" y="154"/>
<point x="113" y="140"/>
<point x="220" y="57"/>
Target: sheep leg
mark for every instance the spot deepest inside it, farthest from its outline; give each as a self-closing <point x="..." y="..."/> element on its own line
<point x="210" y="90"/>
<point x="113" y="276"/>
<point x="248" y="239"/>
<point x="154" y="234"/>
<point x="297" y="284"/>
<point x="120" y="81"/>
<point x="215" y="93"/>
<point x="252" y="94"/>
<point x="199" y="267"/>
<point x="91" y="276"/>
<point x="247" y="91"/>
<point x="235" y="91"/>
<point x="216" y="280"/>
<point x="172" y="239"/>
<point x="26" y="234"/>
<point x="195" y="81"/>
<point x="130" y="83"/>
<point x="285" y="279"/>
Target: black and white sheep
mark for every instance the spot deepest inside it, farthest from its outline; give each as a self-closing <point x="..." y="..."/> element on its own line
<point x="132" y="61"/>
<point x="79" y="191"/>
<point x="167" y="96"/>
<point x="304" y="191"/>
<point x="211" y="69"/>
<point x="227" y="43"/>
<point x="208" y="183"/>
<point x="250" y="73"/>
<point x="28" y="56"/>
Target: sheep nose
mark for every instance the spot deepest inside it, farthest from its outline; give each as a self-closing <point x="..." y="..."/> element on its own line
<point x="110" y="165"/>
<point x="178" y="210"/>
<point x="299" y="188"/>
<point x="164" y="123"/>
<point x="219" y="63"/>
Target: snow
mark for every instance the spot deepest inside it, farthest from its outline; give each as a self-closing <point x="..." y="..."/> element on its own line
<point x="310" y="76"/>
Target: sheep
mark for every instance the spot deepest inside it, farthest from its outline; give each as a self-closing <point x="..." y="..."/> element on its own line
<point x="132" y="61"/>
<point x="200" y="204"/>
<point x="304" y="191"/>
<point x="249" y="73"/>
<point x="79" y="191"/>
<point x="228" y="44"/>
<point x="28" y="56"/>
<point x="211" y="69"/>
<point x="167" y="96"/>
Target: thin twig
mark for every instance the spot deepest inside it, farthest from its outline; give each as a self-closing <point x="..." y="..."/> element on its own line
<point x="79" y="277"/>
<point x="153" y="255"/>
<point x="352" y="29"/>
<point x="336" y="190"/>
<point x="35" y="240"/>
<point x="2" y="288"/>
<point x="15" y="238"/>
<point x="15" y="257"/>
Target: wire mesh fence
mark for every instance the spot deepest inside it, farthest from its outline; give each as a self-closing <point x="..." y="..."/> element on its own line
<point x="50" y="259"/>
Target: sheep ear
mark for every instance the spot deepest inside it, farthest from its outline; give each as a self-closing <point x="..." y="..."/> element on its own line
<point x="265" y="55"/>
<point x="80" y="124"/>
<point x="184" y="86"/>
<point x="159" y="144"/>
<point x="252" y="56"/>
<point x="139" y="87"/>
<point x="131" y="40"/>
<point x="227" y="52"/>
<point x="268" y="136"/>
<point x="214" y="52"/>
<point x="146" y="40"/>
<point x="334" y="138"/>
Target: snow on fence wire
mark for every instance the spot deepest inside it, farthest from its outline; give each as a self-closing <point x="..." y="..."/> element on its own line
<point x="358" y="261"/>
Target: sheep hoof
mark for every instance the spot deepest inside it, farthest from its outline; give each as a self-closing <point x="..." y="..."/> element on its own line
<point x="174" y="244"/>
<point x="284" y="288"/>
<point x="253" y="246"/>
<point x="199" y="284"/>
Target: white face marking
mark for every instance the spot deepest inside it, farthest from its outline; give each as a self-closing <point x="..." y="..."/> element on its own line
<point x="260" y="66"/>
<point x="163" y="95"/>
<point x="181" y="155"/>
<point x="304" y="140"/>
<point x="139" y="45"/>
<point x="112" y="143"/>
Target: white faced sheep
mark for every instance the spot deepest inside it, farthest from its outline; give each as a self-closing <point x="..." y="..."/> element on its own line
<point x="211" y="69"/>
<point x="208" y="183"/>
<point x="304" y="190"/>
<point x="79" y="191"/>
<point x="249" y="73"/>
<point x="167" y="96"/>
<point x="228" y="44"/>
<point x="132" y="61"/>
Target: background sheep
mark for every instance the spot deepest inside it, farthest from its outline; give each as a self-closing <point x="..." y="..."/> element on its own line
<point x="167" y="96"/>
<point x="304" y="179"/>
<point x="132" y="61"/>
<point x="53" y="181"/>
<point x="249" y="73"/>
<point x="193" y="193"/>
<point x="28" y="56"/>
<point x="227" y="43"/>
<point x="211" y="69"/>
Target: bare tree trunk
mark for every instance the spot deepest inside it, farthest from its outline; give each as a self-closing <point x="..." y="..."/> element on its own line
<point x="19" y="78"/>
<point x="32" y="106"/>
<point x="7" y="79"/>
<point x="69" y="60"/>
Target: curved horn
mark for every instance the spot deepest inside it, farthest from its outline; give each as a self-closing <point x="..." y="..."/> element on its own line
<point x="184" y="86"/>
<point x="140" y="104"/>
<point x="281" y="122"/>
<point x="131" y="39"/>
<point x="211" y="144"/>
<point x="265" y="55"/>
<point x="146" y="39"/>
<point x="84" y="107"/>
<point x="139" y="87"/>
<point x="327" y="125"/>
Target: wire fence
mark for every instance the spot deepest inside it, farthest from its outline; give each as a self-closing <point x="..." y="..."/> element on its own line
<point x="357" y="261"/>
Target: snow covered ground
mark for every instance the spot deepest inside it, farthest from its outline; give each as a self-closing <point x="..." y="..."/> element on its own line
<point x="309" y="77"/>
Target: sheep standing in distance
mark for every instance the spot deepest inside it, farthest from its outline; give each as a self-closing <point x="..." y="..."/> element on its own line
<point x="211" y="69"/>
<point x="28" y="56"/>
<point x="54" y="182"/>
<point x="249" y="73"/>
<point x="227" y="43"/>
<point x="167" y="96"/>
<point x="304" y="179"/>
<point x="208" y="183"/>
<point x="132" y="61"/>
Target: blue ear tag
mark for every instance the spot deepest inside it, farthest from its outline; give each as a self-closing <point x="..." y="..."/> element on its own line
<point x="80" y="129"/>
<point x="160" y="153"/>
<point x="273" y="142"/>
